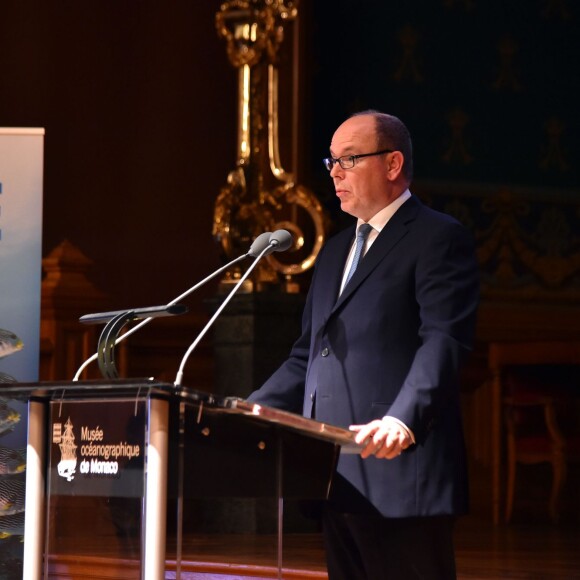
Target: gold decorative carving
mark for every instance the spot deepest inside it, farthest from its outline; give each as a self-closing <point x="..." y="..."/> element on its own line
<point x="554" y="156"/>
<point x="507" y="79"/>
<point x="528" y="244"/>
<point x="457" y="150"/>
<point x="528" y="263"/>
<point x="408" y="68"/>
<point x="259" y="194"/>
<point x="557" y="8"/>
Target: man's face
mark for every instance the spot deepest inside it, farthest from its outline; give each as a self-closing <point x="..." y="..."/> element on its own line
<point x="364" y="189"/>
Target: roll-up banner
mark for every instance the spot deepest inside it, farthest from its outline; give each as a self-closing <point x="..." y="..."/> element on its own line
<point x="21" y="170"/>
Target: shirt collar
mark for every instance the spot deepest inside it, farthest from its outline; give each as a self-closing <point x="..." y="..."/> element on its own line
<point x="380" y="219"/>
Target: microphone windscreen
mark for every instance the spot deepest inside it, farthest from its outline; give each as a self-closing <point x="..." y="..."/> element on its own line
<point x="281" y="240"/>
<point x="259" y="244"/>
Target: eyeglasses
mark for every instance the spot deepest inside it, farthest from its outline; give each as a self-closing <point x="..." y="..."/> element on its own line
<point x="347" y="161"/>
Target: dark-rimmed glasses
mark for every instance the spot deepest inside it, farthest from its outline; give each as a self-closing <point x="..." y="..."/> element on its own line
<point x="348" y="161"/>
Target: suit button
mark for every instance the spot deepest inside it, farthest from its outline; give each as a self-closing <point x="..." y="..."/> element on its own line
<point x="324" y="352"/>
<point x="312" y="396"/>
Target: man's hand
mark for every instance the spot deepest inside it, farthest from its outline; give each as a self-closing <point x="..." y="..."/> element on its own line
<point x="383" y="438"/>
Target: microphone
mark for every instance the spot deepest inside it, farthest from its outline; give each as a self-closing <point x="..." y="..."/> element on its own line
<point x="259" y="245"/>
<point x="279" y="241"/>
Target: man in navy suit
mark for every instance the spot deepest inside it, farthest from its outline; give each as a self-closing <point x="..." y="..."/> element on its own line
<point x="389" y="319"/>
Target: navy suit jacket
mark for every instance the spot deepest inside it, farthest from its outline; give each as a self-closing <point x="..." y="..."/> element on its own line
<point x="391" y="344"/>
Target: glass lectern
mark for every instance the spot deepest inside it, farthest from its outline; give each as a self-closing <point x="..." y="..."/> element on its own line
<point x="136" y="478"/>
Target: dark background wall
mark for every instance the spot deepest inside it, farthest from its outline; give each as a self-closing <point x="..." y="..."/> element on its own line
<point x="501" y="73"/>
<point x="139" y="104"/>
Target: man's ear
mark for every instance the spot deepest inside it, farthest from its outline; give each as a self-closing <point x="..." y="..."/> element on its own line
<point x="395" y="165"/>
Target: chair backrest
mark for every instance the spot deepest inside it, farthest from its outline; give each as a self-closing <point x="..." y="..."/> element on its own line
<point x="502" y="354"/>
<point x="540" y="368"/>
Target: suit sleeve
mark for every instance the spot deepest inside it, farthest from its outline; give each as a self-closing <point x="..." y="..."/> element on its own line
<point x="285" y="388"/>
<point x="447" y="294"/>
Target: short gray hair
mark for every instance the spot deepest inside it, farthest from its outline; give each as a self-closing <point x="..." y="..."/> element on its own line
<point x="393" y="134"/>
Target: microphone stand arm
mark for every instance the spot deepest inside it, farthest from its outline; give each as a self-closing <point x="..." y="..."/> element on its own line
<point x="118" y="339"/>
<point x="194" y="344"/>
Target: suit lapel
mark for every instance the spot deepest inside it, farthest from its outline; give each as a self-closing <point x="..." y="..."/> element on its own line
<point x="396" y="228"/>
<point x="332" y="269"/>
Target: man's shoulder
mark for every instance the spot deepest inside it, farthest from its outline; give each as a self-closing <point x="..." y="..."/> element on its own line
<point x="434" y="216"/>
<point x="428" y="225"/>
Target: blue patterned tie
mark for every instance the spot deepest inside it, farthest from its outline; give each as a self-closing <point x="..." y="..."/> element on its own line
<point x="361" y="238"/>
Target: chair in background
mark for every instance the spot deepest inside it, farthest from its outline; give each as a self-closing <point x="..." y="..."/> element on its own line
<point x="534" y="387"/>
<point x="533" y="436"/>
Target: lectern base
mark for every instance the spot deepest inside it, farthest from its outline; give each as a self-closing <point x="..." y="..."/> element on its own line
<point x="225" y="558"/>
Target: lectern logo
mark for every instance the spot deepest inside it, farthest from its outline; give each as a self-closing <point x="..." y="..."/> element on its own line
<point x="68" y="450"/>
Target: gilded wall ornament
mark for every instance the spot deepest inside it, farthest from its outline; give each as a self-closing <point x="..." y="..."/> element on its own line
<point x="259" y="194"/>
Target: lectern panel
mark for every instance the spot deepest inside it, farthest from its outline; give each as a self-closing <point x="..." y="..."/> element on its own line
<point x="235" y="455"/>
<point x="96" y="478"/>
